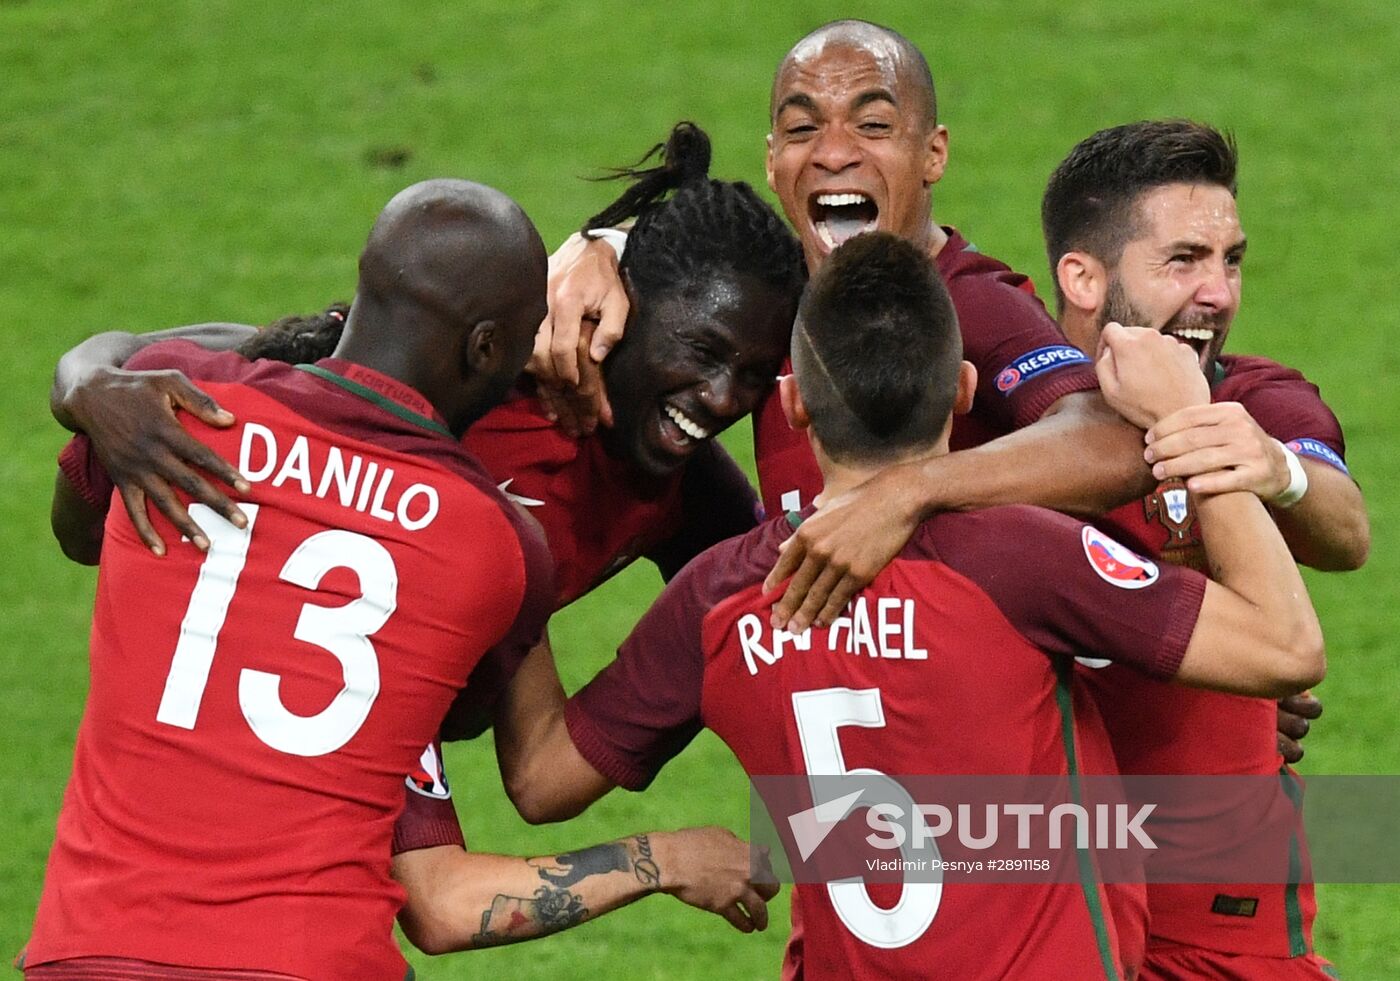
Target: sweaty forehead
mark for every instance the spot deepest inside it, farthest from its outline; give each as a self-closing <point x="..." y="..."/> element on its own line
<point x="833" y="66"/>
<point x="737" y="308"/>
<point x="1204" y="213"/>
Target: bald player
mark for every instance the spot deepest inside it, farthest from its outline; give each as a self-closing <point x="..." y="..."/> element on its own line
<point x="855" y="145"/>
<point x="258" y="695"/>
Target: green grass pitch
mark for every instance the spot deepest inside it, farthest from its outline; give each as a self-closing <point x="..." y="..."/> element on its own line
<point x="176" y="161"/>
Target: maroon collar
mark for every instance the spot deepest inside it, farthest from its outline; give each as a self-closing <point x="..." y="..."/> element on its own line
<point x="374" y="383"/>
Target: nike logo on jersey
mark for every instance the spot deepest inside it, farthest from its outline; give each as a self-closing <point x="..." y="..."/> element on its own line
<point x="525" y="502"/>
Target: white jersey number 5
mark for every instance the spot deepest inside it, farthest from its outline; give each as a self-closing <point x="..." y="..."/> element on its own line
<point x="344" y="631"/>
<point x="820" y="714"/>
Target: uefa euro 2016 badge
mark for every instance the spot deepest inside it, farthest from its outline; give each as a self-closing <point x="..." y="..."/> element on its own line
<point x="1115" y="564"/>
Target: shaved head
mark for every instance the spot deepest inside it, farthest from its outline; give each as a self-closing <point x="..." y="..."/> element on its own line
<point x="454" y="248"/>
<point x="888" y="47"/>
<point x="451" y="290"/>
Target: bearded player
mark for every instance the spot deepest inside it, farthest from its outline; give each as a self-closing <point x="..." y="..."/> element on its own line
<point x="998" y="601"/>
<point x="1141" y="227"/>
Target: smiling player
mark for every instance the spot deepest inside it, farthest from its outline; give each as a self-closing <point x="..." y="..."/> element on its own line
<point x="716" y="279"/>
<point x="1141" y="227"/>
<point x="855" y="144"/>
<point x="996" y="603"/>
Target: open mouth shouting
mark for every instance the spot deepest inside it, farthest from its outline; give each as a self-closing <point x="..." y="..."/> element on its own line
<point x="839" y="216"/>
<point x="1199" y="337"/>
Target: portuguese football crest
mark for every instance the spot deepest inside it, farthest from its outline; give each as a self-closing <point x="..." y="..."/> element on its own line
<point x="1170" y="506"/>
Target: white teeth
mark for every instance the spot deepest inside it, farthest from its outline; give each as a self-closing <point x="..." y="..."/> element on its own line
<point x="683" y="421"/>
<point x="836" y="200"/>
<point x="1194" y="333"/>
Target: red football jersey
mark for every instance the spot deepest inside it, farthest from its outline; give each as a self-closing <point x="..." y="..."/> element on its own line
<point x="1158" y="729"/>
<point x="253" y="711"/>
<point x="598" y="513"/>
<point x="1024" y="364"/>
<point x="960" y="668"/>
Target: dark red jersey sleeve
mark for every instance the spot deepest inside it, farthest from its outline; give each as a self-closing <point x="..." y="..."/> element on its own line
<point x="1286" y="406"/>
<point x="717" y="502"/>
<point x="1070" y="589"/>
<point x="81" y="468"/>
<point x="426" y="822"/>
<point x="644" y="707"/>
<point x="429" y="818"/>
<point x="1024" y="364"/>
<point x="193" y="360"/>
<point x="788" y="476"/>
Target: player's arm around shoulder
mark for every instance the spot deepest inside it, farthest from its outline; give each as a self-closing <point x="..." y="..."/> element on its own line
<point x="1220" y="447"/>
<point x="841" y="549"/>
<point x="1256" y="632"/>
<point x="131" y="418"/>
<point x="588" y="307"/>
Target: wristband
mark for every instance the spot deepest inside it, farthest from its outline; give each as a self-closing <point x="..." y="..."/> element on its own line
<point x="1297" y="480"/>
<point x="614" y="237"/>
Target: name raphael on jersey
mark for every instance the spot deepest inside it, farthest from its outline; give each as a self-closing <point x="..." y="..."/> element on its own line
<point x="359" y="484"/>
<point x="880" y="627"/>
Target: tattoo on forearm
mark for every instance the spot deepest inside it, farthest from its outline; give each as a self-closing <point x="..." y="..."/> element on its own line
<point x="554" y="907"/>
<point x="513" y="918"/>
<point x="572" y="867"/>
<point x="645" y="867"/>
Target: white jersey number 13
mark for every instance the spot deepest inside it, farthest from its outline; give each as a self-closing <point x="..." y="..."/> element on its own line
<point x="344" y="631"/>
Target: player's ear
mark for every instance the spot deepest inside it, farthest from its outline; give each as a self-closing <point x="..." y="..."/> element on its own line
<point x="768" y="162"/>
<point x="793" y="407"/>
<point x="1083" y="281"/>
<point x="935" y="155"/>
<point x="483" y="349"/>
<point x="967" y="388"/>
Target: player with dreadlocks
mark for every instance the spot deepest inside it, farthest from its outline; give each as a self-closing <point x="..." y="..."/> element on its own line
<point x="714" y="277"/>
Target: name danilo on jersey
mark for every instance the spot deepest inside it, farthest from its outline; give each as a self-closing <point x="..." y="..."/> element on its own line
<point x="359" y="484"/>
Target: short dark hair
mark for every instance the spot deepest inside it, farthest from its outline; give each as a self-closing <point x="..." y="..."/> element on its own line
<point x="1091" y="200"/>
<point x="703" y="226"/>
<point x="876" y="350"/>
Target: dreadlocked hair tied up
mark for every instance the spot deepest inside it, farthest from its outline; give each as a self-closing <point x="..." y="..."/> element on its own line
<point x="688" y="225"/>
